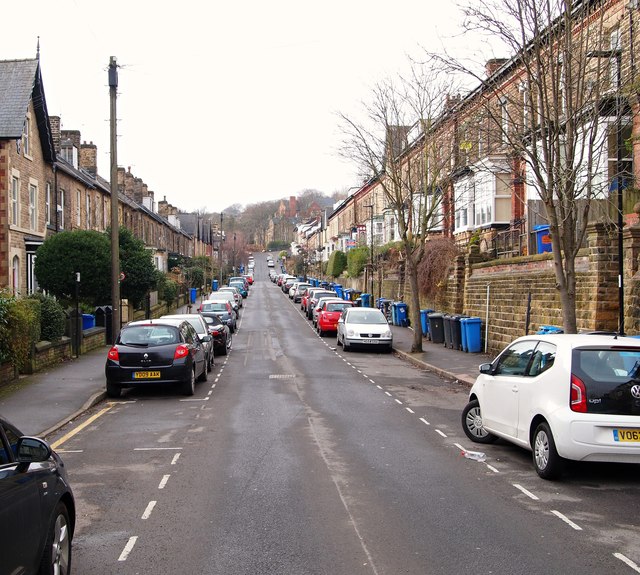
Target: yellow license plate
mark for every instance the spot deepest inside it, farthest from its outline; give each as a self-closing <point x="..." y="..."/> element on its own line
<point x="146" y="375"/>
<point x="627" y="435"/>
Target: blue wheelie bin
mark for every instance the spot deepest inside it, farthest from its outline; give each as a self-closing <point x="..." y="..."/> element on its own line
<point x="366" y="300"/>
<point x="402" y="314"/>
<point x="472" y="339"/>
<point x="346" y="294"/>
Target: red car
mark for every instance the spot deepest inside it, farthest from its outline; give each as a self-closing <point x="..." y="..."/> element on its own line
<point x="329" y="314"/>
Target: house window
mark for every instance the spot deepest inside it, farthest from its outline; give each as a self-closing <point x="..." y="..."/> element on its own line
<point x="463" y="202"/>
<point x="26" y="142"/>
<point x="15" y="275"/>
<point x="78" y="208"/>
<point x="15" y="200"/>
<point x="88" y="211"/>
<point x="33" y="207"/>
<point x="47" y="204"/>
<point x="60" y="209"/>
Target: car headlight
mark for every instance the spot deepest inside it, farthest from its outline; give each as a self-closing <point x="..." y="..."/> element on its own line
<point x="351" y="332"/>
<point x="387" y="333"/>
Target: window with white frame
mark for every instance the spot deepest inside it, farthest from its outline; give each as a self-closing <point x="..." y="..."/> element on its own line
<point x="88" y="210"/>
<point x="60" y="209"/>
<point x="15" y="275"/>
<point x="435" y="210"/>
<point x="78" y="208"/>
<point x="463" y="203"/>
<point x="47" y="204"/>
<point x="26" y="140"/>
<point x="15" y="201"/>
<point x="483" y="199"/>
<point x="33" y="207"/>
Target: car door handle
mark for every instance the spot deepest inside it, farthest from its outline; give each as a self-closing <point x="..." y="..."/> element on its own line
<point x="514" y="389"/>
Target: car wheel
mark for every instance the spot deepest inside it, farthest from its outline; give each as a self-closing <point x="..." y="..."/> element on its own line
<point x="113" y="390"/>
<point x="226" y="346"/>
<point x="210" y="362"/>
<point x="56" y="557"/>
<point x="345" y="345"/>
<point x="320" y="331"/>
<point x="548" y="463"/>
<point x="473" y="426"/>
<point x="189" y="386"/>
<point x="338" y="342"/>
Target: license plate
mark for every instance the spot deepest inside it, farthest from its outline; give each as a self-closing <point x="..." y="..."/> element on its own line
<point x="627" y="435"/>
<point x="146" y="375"/>
<point x="370" y="340"/>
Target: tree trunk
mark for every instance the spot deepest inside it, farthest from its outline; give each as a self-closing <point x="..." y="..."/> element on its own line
<point x="414" y="305"/>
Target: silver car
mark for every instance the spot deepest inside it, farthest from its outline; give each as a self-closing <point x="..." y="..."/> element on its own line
<point x="364" y="327"/>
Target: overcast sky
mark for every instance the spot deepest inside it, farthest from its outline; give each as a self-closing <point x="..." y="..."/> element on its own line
<point x="222" y="103"/>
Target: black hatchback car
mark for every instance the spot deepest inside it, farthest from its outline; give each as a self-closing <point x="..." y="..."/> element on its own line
<point x="219" y="331"/>
<point x="37" y="508"/>
<point x="162" y="351"/>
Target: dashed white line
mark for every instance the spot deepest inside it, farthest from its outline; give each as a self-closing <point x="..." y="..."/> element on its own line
<point x="460" y="447"/>
<point x="388" y="393"/>
<point x="128" y="548"/>
<point x="526" y="492"/>
<point x="441" y="433"/>
<point x="163" y="482"/>
<point x="175" y="459"/>
<point x="148" y="510"/>
<point x="410" y="410"/>
<point x="492" y="468"/>
<point x="628" y="561"/>
<point x="398" y="402"/>
<point x="157" y="448"/>
<point x="566" y="520"/>
<point x="424" y="421"/>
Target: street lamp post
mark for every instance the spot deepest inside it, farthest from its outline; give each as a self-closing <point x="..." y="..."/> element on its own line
<point x="220" y="250"/>
<point x="370" y="206"/>
<point x="617" y="54"/>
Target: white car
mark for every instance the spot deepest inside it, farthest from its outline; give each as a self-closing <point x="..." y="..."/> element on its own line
<point x="235" y="291"/>
<point x="563" y="397"/>
<point x="364" y="327"/>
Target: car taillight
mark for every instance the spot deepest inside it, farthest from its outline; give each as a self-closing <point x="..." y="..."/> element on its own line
<point x="113" y="354"/>
<point x="181" y="351"/>
<point x="578" y="395"/>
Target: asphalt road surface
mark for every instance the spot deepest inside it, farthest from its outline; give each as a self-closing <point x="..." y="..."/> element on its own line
<point x="296" y="458"/>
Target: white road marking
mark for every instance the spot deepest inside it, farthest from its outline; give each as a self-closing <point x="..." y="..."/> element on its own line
<point x="175" y="459"/>
<point x="148" y="510"/>
<point x="398" y="401"/>
<point x="424" y="421"/>
<point x="441" y="433"/>
<point x="628" y="561"/>
<point x="128" y="548"/>
<point x="526" y="492"/>
<point x="460" y="447"/>
<point x="379" y="386"/>
<point x="492" y="468"/>
<point x="410" y="410"/>
<point x="162" y="484"/>
<point x="196" y="399"/>
<point x="157" y="448"/>
<point x="70" y="450"/>
<point x="566" y="520"/>
<point x="388" y="394"/>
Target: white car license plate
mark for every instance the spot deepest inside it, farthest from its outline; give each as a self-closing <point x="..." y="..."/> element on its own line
<point x="370" y="341"/>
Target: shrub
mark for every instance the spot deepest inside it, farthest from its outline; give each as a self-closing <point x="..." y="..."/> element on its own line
<point x="52" y="317"/>
<point x="19" y="328"/>
<point x="337" y="264"/>
<point x="357" y="258"/>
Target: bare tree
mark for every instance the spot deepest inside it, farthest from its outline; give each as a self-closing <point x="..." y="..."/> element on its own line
<point x="556" y="109"/>
<point x="394" y="145"/>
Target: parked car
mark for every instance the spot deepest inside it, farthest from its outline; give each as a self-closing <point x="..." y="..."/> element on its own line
<point x="564" y="397"/>
<point x="296" y="290"/>
<point x="364" y="327"/>
<point x="314" y="296"/>
<point x="223" y="309"/>
<point x="162" y="351"/>
<point x="242" y="279"/>
<point x="318" y="305"/>
<point x="202" y="330"/>
<point x="37" y="507"/>
<point x="219" y="331"/>
<point x="223" y="295"/>
<point x="242" y="286"/>
<point x="329" y="314"/>
<point x="236" y="294"/>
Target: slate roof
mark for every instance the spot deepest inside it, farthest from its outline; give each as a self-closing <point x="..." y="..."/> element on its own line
<point x="20" y="82"/>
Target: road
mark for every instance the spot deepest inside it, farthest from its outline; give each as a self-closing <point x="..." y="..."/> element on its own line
<point x="296" y="458"/>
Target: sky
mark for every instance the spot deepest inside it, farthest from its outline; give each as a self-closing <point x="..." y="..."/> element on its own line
<point x="222" y="103"/>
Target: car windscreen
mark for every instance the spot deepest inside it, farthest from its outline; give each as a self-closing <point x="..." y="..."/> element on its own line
<point x="213" y="320"/>
<point x="611" y="378"/>
<point x="215" y="306"/>
<point x="149" y="335"/>
<point x="368" y="316"/>
<point x="337" y="306"/>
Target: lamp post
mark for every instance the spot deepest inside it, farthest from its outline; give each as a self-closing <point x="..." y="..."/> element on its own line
<point x="617" y="54"/>
<point x="370" y="206"/>
<point x="234" y="253"/>
<point x="220" y="250"/>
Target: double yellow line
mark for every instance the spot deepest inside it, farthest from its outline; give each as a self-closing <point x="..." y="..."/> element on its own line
<point x="80" y="427"/>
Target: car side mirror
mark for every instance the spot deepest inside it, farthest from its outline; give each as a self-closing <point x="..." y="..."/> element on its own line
<point x="32" y="449"/>
<point x="341" y="320"/>
<point x="486" y="368"/>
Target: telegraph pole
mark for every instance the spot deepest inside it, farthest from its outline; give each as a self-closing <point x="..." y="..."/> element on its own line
<point x="115" y="224"/>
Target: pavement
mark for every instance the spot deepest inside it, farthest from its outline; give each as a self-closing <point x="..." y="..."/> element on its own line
<point x="41" y="403"/>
